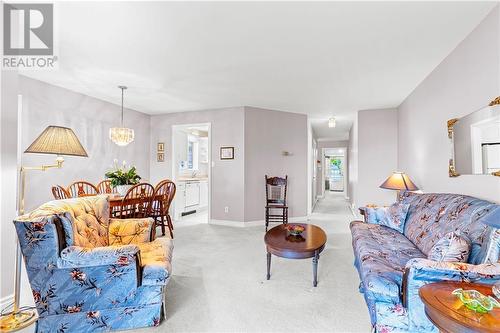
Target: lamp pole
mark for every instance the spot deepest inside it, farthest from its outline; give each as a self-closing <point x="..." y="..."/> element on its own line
<point x="18" y="318"/>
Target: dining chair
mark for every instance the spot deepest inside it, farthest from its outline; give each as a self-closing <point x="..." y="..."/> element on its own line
<point x="163" y="197"/>
<point x="82" y="188"/>
<point x="276" y="207"/>
<point x="59" y="192"/>
<point x="137" y="202"/>
<point x="104" y="187"/>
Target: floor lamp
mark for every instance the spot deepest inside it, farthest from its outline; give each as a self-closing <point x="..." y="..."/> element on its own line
<point x="54" y="140"/>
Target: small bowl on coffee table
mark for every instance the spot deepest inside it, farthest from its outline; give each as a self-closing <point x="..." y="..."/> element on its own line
<point x="295" y="229"/>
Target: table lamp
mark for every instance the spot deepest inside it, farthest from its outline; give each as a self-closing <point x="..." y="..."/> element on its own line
<point x="55" y="140"/>
<point x="399" y="181"/>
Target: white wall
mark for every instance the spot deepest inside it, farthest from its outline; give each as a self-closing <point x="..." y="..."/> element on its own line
<point x="467" y="80"/>
<point x="267" y="134"/>
<point x="45" y="105"/>
<point x="8" y="184"/>
<point x="373" y="150"/>
<point x="227" y="182"/>
<point x="377" y="155"/>
<point x="352" y="156"/>
<point x="90" y="119"/>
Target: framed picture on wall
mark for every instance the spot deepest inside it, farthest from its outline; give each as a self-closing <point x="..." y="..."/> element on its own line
<point x="160" y="157"/>
<point x="227" y="153"/>
<point x="161" y="147"/>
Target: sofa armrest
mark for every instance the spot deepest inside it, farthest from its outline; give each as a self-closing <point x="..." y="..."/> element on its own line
<point x="419" y="272"/>
<point x="362" y="212"/>
<point x="76" y="256"/>
<point x="130" y="231"/>
<point x="116" y="278"/>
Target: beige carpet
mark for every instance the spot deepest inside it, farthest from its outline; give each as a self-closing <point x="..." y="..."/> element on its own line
<point x="219" y="284"/>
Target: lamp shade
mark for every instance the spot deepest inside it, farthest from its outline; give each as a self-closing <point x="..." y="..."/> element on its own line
<point x="399" y="181"/>
<point x="57" y="140"/>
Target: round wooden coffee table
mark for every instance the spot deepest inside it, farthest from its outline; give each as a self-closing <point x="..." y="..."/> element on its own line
<point x="449" y="314"/>
<point x="308" y="245"/>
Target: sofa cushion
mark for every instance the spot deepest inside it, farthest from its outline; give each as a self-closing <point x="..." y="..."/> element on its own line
<point x="87" y="223"/>
<point x="130" y="231"/>
<point x="381" y="254"/>
<point x="431" y="216"/>
<point x="393" y="216"/>
<point x="156" y="258"/>
<point x="453" y="247"/>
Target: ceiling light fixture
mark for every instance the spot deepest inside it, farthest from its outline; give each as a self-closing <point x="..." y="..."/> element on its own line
<point x="122" y="136"/>
<point x="331" y="122"/>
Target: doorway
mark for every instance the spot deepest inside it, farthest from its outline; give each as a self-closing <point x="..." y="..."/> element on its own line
<point x="191" y="172"/>
<point x="334" y="175"/>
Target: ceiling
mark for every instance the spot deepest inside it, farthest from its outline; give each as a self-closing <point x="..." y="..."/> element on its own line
<point x="334" y="151"/>
<point x="321" y="58"/>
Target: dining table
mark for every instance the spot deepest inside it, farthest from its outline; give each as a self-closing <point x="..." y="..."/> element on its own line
<point x="116" y="201"/>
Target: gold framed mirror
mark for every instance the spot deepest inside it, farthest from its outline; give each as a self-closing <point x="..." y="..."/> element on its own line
<point x="475" y="142"/>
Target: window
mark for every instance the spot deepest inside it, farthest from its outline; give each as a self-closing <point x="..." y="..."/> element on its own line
<point x="192" y="153"/>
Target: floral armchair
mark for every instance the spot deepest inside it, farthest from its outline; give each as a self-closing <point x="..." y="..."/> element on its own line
<point x="89" y="273"/>
<point x="393" y="266"/>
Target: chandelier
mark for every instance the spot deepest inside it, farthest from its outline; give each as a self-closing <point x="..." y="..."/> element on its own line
<point x="122" y="136"/>
<point x="331" y="122"/>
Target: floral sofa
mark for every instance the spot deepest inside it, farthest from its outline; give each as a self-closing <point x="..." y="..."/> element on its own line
<point x="393" y="266"/>
<point x="90" y="273"/>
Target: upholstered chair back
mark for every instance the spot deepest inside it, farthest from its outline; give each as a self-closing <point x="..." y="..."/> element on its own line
<point x="433" y="215"/>
<point x="87" y="223"/>
<point x="67" y="271"/>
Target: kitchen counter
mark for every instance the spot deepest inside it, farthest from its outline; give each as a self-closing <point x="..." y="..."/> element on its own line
<point x="189" y="179"/>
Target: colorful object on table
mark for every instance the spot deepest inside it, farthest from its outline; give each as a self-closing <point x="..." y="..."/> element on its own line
<point x="295" y="229"/>
<point x="476" y="301"/>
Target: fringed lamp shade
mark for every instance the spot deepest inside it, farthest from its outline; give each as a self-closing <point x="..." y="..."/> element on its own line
<point x="399" y="181"/>
<point x="57" y="140"/>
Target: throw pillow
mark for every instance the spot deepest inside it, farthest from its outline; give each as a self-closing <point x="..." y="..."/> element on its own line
<point x="393" y="216"/>
<point x="453" y="247"/>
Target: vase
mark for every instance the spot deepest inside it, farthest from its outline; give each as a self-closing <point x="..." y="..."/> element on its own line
<point x="122" y="189"/>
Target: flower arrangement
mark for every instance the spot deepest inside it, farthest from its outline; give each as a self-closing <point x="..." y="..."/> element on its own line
<point x="123" y="177"/>
<point x="295" y="229"/>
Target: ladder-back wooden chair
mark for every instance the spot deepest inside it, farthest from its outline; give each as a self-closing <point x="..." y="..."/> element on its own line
<point x="82" y="188"/>
<point x="104" y="187"/>
<point x="276" y="208"/>
<point x="59" y="192"/>
<point x="137" y="202"/>
<point x="162" y="199"/>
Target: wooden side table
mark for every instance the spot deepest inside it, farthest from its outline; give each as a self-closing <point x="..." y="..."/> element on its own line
<point x="449" y="314"/>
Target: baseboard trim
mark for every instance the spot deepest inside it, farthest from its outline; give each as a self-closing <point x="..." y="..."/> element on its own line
<point x="227" y="223"/>
<point x="240" y="224"/>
